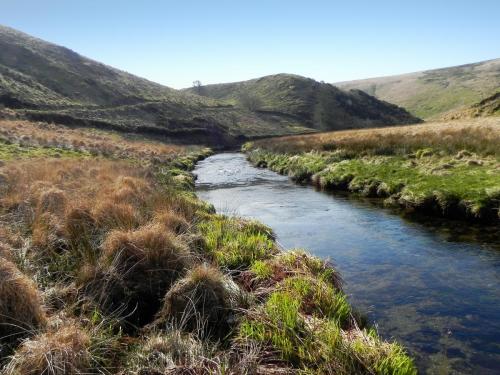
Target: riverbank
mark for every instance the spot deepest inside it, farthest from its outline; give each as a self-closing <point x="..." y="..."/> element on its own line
<point x="110" y="264"/>
<point x="442" y="169"/>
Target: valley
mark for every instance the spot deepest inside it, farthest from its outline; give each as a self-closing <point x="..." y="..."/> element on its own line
<point x="275" y="225"/>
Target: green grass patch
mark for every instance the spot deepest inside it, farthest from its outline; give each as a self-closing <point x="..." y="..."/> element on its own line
<point x="236" y="243"/>
<point x="318" y="345"/>
<point x="10" y="151"/>
<point x="320" y="299"/>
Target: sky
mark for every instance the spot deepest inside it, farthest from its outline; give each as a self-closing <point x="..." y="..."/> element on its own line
<point x="178" y="42"/>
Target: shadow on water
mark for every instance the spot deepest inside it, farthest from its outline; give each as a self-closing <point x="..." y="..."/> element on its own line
<point x="431" y="284"/>
<point x="448" y="230"/>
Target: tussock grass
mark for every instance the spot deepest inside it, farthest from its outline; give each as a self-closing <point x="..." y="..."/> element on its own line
<point x="21" y="310"/>
<point x="41" y="138"/>
<point x="319" y="298"/>
<point x="481" y="136"/>
<point x="167" y="351"/>
<point x="294" y="263"/>
<point x="135" y="270"/>
<point x="205" y="301"/>
<point x="319" y="345"/>
<point x="64" y="349"/>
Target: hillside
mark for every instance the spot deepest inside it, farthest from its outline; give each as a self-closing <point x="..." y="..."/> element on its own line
<point x="431" y="93"/>
<point x="318" y="105"/>
<point x="486" y="107"/>
<point x="43" y="81"/>
<point x="46" y="82"/>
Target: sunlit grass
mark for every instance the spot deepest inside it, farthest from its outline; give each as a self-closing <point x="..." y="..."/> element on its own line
<point x="449" y="169"/>
<point x="236" y="243"/>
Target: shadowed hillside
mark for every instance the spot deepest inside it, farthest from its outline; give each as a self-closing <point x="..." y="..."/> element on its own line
<point x="45" y="82"/>
<point x="318" y="105"/>
<point x="431" y="93"/>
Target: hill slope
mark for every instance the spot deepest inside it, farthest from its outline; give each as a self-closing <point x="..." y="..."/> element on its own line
<point x="431" y="93"/>
<point x="320" y="106"/>
<point x="486" y="107"/>
<point x="46" y="82"/>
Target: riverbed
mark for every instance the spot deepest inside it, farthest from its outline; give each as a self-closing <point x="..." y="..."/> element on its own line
<point x="433" y="286"/>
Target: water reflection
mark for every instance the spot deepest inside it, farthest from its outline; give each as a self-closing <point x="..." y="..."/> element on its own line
<point x="433" y="287"/>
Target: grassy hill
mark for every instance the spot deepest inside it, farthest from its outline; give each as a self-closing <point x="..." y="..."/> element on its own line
<point x="318" y="105"/>
<point x="432" y="93"/>
<point x="46" y="82"/>
<point x="43" y="81"/>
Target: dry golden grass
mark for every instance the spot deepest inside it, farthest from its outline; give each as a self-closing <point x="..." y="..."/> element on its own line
<point x="61" y="352"/>
<point x="135" y="270"/>
<point x="95" y="142"/>
<point x="479" y="135"/>
<point x="111" y="217"/>
<point x="5" y="251"/>
<point x="172" y="221"/>
<point x="151" y="244"/>
<point x="21" y="311"/>
<point x="204" y="302"/>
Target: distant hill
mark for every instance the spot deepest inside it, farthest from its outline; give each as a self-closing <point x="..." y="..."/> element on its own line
<point x="320" y="106"/>
<point x="43" y="81"/>
<point x="431" y="93"/>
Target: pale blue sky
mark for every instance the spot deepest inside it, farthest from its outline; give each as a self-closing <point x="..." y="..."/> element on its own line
<point x="176" y="42"/>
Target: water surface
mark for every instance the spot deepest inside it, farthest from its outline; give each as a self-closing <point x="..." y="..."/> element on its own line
<point x="435" y="288"/>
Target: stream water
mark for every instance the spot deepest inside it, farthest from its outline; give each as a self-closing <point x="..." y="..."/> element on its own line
<point x="434" y="287"/>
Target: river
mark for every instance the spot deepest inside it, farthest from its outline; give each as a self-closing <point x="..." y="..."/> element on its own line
<point x="432" y="287"/>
